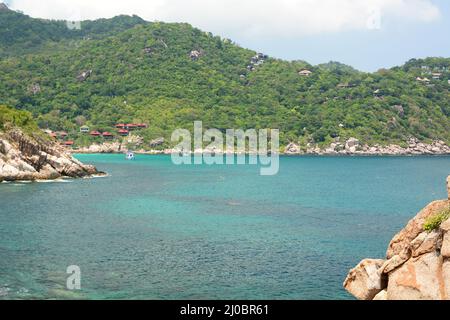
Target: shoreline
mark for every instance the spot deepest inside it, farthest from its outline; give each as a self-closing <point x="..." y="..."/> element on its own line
<point x="349" y="147"/>
<point x="362" y="154"/>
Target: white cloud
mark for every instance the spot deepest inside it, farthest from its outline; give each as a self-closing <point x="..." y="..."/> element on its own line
<point x="246" y="17"/>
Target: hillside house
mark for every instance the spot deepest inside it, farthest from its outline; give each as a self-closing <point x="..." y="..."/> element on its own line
<point x="423" y="80"/>
<point x="84" y="129"/>
<point x="305" y="73"/>
<point x="345" y="85"/>
<point x="131" y="126"/>
<point x="107" y="135"/>
<point x="436" y="75"/>
<point x="95" y="134"/>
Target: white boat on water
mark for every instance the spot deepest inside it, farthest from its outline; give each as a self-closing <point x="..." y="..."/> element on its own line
<point x="130" y="155"/>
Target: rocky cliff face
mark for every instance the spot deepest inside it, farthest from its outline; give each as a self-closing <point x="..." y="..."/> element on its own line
<point x="30" y="158"/>
<point x="417" y="264"/>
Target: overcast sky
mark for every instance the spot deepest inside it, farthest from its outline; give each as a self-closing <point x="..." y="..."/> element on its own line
<point x="367" y="34"/>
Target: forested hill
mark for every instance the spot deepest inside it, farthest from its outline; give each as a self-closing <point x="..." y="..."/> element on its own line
<point x="21" y="34"/>
<point x="170" y="74"/>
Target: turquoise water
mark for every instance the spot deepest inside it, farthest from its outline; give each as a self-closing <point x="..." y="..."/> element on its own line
<point x="152" y="230"/>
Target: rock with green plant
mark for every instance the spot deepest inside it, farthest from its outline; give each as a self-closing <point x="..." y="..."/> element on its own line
<point x="417" y="263"/>
<point x="28" y="154"/>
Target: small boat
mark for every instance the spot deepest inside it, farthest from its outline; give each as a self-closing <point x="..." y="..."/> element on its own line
<point x="130" y="155"/>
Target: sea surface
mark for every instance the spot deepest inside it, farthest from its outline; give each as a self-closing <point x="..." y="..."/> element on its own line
<point x="153" y="230"/>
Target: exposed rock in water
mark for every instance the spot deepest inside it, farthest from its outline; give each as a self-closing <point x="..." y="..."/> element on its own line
<point x="31" y="158"/>
<point x="417" y="264"/>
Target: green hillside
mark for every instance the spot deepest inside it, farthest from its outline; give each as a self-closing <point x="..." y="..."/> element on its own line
<point x="168" y="75"/>
<point x="20" y="34"/>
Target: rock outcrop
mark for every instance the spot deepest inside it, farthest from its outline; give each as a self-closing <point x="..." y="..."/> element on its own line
<point x="292" y="148"/>
<point x="354" y="147"/>
<point x="32" y="158"/>
<point x="157" y="142"/>
<point x="84" y="75"/>
<point x="3" y="7"/>
<point x="417" y="264"/>
<point x="107" y="147"/>
<point x="196" y="54"/>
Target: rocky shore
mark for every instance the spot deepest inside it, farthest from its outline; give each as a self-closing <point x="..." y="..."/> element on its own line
<point x="354" y="147"/>
<point x="417" y="263"/>
<point x="350" y="147"/>
<point x="25" y="158"/>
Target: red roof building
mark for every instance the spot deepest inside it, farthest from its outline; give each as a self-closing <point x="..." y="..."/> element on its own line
<point x="121" y="126"/>
<point x="131" y="126"/>
<point x="142" y="125"/>
<point x="107" y="135"/>
<point x="95" y="133"/>
<point x="68" y="143"/>
<point x="123" y="132"/>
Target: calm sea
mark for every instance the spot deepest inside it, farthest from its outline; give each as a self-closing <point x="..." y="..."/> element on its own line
<point x="153" y="230"/>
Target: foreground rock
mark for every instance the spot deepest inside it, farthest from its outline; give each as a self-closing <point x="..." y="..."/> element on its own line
<point x="417" y="264"/>
<point x="26" y="158"/>
<point x="364" y="281"/>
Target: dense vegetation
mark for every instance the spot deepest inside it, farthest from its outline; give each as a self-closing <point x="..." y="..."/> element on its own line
<point x="143" y="72"/>
<point x="10" y="118"/>
<point x="21" y="34"/>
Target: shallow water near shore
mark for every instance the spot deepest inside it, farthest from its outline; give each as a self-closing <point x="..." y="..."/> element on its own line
<point x="153" y="230"/>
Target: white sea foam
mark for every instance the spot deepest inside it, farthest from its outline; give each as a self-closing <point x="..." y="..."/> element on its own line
<point x="95" y="176"/>
<point x="54" y="181"/>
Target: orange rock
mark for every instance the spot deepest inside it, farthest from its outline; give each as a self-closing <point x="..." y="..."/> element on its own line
<point x="401" y="243"/>
<point x="365" y="281"/>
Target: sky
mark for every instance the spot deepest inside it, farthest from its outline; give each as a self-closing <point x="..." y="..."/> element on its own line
<point x="366" y="34"/>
